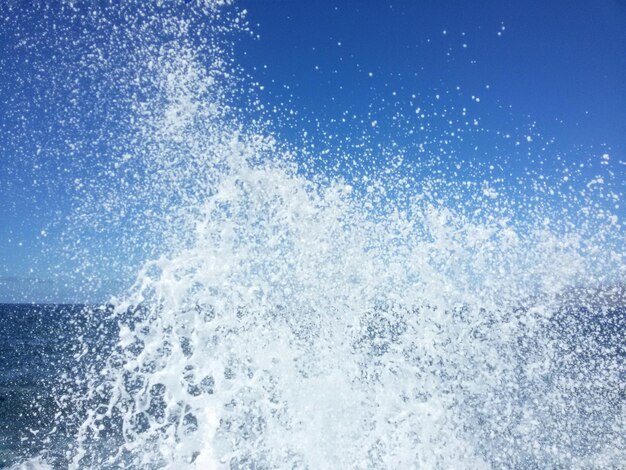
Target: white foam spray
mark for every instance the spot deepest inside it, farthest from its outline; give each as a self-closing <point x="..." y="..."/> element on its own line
<point x="290" y="320"/>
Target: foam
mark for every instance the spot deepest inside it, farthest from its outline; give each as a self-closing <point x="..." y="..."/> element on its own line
<point x="352" y="320"/>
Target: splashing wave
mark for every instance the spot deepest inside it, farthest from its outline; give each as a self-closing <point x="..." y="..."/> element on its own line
<point x="285" y="319"/>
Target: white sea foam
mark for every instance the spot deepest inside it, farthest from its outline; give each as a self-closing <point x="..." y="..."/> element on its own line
<point x="297" y="320"/>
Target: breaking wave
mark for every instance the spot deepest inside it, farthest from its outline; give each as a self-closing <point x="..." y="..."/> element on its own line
<point x="289" y="313"/>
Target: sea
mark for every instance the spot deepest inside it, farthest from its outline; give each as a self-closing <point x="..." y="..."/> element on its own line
<point x="332" y="293"/>
<point x="40" y="346"/>
<point x="43" y="377"/>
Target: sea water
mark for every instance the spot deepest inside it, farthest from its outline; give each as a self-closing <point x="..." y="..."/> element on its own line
<point x="288" y="314"/>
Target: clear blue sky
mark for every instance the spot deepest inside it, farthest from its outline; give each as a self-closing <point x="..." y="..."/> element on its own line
<point x="555" y="71"/>
<point x="561" y="63"/>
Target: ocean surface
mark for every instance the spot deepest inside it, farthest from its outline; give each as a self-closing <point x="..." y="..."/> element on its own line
<point x="42" y="356"/>
<point x="38" y="362"/>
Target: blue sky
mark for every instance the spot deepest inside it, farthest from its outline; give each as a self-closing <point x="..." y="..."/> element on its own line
<point x="561" y="63"/>
<point x="551" y="75"/>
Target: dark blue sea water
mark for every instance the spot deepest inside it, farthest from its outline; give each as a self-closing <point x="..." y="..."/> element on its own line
<point x="46" y="352"/>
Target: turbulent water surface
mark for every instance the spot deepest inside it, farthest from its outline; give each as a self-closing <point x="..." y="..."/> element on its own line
<point x="289" y="313"/>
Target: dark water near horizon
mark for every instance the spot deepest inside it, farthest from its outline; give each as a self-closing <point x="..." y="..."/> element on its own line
<point x="43" y="351"/>
<point x="40" y="346"/>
